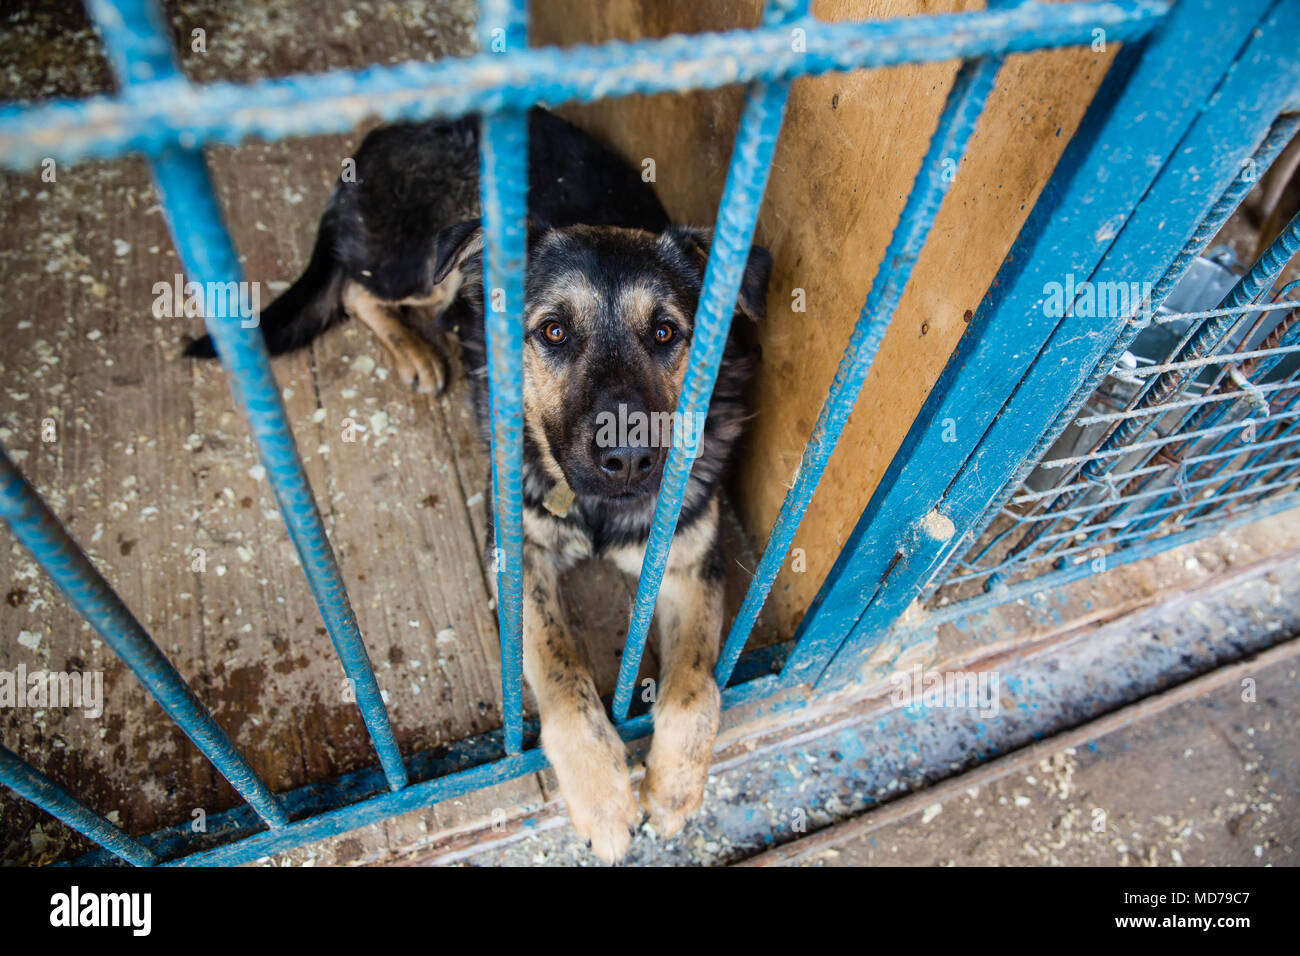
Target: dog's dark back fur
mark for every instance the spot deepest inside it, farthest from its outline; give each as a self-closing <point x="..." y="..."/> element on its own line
<point x="411" y="182"/>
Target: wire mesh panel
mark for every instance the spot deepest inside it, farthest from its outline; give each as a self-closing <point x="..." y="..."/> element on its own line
<point x="1194" y="422"/>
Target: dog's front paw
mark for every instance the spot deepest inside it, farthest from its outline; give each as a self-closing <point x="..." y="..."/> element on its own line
<point x="677" y="767"/>
<point x="606" y="817"/>
<point x="590" y="764"/>
<point x="670" y="798"/>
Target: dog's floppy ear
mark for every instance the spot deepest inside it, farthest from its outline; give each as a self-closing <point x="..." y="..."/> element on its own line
<point x="752" y="300"/>
<point x="454" y="245"/>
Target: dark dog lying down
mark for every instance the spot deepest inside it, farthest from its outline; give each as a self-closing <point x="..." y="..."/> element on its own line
<point x="611" y="291"/>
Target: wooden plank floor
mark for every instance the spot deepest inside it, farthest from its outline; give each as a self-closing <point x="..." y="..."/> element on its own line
<point x="152" y="469"/>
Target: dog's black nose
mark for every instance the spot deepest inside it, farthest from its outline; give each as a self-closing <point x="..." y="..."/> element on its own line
<point x="627" y="465"/>
<point x="628" y="443"/>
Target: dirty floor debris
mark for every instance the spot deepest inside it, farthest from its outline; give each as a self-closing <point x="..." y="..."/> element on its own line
<point x="827" y="775"/>
<point x="1211" y="782"/>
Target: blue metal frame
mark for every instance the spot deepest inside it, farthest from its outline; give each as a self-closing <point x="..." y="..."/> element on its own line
<point x="965" y="103"/>
<point x="108" y="126"/>
<point x="1142" y="150"/>
<point x="139" y="49"/>
<point x="27" y="781"/>
<point x="1140" y="176"/>
<point x="1281" y="133"/>
<point x="33" y="524"/>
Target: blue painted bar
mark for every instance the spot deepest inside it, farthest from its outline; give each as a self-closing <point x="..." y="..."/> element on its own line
<point x="742" y="196"/>
<point x="1145" y="470"/>
<point x="504" y="184"/>
<point x="29" y="783"/>
<point x="1285" y="469"/>
<point x="1118" y="542"/>
<point x="1208" y="136"/>
<point x="40" y="532"/>
<point x="1257" y="281"/>
<point x="934" y="490"/>
<point x="1279" y="135"/>
<point x="358" y="799"/>
<point x="337" y="101"/>
<point x="135" y="38"/>
<point x="1202" y="341"/>
<point x="1230" y="441"/>
<point x="1149" y="517"/>
<point x="1083" y="544"/>
<point x="756" y="679"/>
<point x="1290" y="338"/>
<point x="1218" y="127"/>
<point x="966" y="99"/>
<point x="428" y="792"/>
<point x="1134" y="496"/>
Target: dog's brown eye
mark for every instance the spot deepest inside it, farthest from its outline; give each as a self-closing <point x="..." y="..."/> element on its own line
<point x="554" y="332"/>
<point x="664" y="333"/>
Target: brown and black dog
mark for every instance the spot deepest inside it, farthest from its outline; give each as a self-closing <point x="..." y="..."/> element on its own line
<point x="611" y="292"/>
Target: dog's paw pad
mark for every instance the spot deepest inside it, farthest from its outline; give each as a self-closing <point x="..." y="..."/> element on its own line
<point x="669" y="809"/>
<point x="607" y="822"/>
<point x="608" y="838"/>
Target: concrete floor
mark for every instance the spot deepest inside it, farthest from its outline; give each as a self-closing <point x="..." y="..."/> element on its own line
<point x="1212" y="782"/>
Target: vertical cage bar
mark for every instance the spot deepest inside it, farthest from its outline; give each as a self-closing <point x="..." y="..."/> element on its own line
<point x="28" y="782"/>
<point x="502" y="28"/>
<point x="136" y="43"/>
<point x="742" y="196"/>
<point x="966" y="99"/>
<point x="39" y="531"/>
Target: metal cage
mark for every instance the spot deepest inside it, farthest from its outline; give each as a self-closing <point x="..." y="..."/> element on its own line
<point x="1140" y="190"/>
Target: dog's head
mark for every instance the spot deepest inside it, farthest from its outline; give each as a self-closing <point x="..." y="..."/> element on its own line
<point x="608" y="326"/>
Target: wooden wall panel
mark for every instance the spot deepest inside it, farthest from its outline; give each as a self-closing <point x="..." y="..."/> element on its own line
<point x="848" y="152"/>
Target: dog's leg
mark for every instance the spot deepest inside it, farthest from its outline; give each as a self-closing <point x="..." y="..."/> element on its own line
<point x="687" y="703"/>
<point x="416" y="361"/>
<point x="589" y="758"/>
